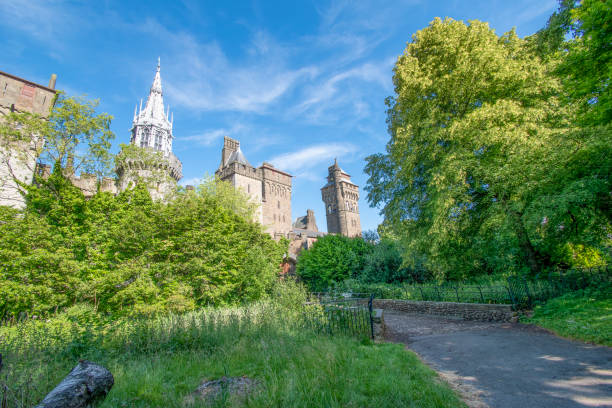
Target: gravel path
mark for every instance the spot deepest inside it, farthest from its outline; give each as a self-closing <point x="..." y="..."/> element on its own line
<point x="503" y="365"/>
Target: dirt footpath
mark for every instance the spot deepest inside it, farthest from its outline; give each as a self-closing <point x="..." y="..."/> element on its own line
<point x="503" y="365"/>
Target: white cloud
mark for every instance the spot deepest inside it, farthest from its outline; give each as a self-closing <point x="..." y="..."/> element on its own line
<point x="34" y="17"/>
<point x="368" y="72"/>
<point x="534" y="10"/>
<point x="202" y="78"/>
<point x="312" y="156"/>
<point x="209" y="137"/>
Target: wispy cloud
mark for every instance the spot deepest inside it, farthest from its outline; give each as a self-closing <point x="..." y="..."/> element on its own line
<point x="368" y="72"/>
<point x="37" y="18"/>
<point x="535" y="9"/>
<point x="204" y="78"/>
<point x="312" y="156"/>
<point x="211" y="136"/>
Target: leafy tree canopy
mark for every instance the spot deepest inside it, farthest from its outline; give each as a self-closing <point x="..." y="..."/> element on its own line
<point x="332" y="258"/>
<point x="128" y="254"/>
<point x="479" y="141"/>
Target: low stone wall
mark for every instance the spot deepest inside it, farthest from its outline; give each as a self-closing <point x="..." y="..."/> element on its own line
<point x="466" y="311"/>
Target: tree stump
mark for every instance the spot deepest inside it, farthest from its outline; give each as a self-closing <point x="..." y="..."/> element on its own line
<point x="85" y="385"/>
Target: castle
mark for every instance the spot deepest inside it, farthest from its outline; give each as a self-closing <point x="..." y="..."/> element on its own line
<point x="266" y="186"/>
<point x="341" y="197"/>
<point x="151" y="137"/>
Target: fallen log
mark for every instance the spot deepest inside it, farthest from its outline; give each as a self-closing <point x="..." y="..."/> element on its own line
<point x="87" y="384"/>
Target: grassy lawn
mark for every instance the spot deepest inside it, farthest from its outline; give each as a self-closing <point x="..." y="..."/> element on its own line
<point x="158" y="362"/>
<point x="583" y="315"/>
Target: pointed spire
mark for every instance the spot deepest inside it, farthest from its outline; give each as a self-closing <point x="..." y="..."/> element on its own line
<point x="135" y="112"/>
<point x="154" y="113"/>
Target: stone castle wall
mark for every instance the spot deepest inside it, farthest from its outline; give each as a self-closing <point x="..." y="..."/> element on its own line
<point x="466" y="311"/>
<point x="267" y="186"/>
<point x="276" y="200"/>
<point x="18" y="160"/>
<point x="87" y="183"/>
<point x="252" y="187"/>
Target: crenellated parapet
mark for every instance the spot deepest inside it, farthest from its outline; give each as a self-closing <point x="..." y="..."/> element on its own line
<point x="151" y="160"/>
<point x="89" y="184"/>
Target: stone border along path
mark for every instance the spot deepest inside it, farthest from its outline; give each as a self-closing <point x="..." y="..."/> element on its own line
<point x="504" y="365"/>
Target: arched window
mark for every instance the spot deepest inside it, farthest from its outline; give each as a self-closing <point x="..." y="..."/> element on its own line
<point x="144" y="140"/>
<point x="158" y="139"/>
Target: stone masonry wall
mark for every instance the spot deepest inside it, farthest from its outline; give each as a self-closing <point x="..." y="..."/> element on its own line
<point x="276" y="200"/>
<point x="18" y="161"/>
<point x="467" y="311"/>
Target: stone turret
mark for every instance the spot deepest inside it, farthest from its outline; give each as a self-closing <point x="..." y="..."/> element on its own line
<point x="151" y="131"/>
<point x="341" y="197"/>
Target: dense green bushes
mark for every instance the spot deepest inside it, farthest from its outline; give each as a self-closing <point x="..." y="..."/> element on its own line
<point x="128" y="254"/>
<point x="335" y="258"/>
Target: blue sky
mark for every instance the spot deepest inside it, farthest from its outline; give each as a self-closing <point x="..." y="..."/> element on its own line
<point x="297" y="82"/>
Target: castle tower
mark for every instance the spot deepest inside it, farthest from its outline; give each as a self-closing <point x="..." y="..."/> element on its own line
<point x="236" y="169"/>
<point x="266" y="186"/>
<point x="18" y="157"/>
<point x="152" y="132"/>
<point x="341" y="197"/>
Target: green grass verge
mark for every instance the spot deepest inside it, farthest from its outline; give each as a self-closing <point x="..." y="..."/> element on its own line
<point x="159" y="362"/>
<point x="583" y="315"/>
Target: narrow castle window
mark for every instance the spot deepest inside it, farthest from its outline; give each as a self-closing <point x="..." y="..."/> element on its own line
<point x="248" y="188"/>
<point x="158" y="140"/>
<point x="278" y="204"/>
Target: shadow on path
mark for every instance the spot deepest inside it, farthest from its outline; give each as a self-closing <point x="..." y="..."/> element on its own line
<point x="508" y="365"/>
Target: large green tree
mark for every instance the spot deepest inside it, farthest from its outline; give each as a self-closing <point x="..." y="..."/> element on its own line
<point x="332" y="259"/>
<point x="478" y="137"/>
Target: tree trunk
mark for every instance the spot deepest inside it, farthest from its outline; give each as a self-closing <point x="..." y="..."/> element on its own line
<point x="529" y="252"/>
<point x="87" y="384"/>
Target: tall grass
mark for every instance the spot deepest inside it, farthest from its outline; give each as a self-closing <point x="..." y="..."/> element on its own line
<point x="159" y="361"/>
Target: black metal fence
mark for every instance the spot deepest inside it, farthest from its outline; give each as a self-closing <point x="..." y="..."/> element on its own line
<point x="340" y="315"/>
<point x="524" y="293"/>
<point x="519" y="290"/>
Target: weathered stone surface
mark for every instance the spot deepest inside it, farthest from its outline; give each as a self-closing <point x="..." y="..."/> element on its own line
<point x="215" y="389"/>
<point x="86" y="384"/>
<point x="466" y="311"/>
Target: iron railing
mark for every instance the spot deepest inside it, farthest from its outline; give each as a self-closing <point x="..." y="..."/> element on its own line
<point x="335" y="314"/>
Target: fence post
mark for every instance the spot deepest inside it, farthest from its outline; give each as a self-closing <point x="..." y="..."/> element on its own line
<point x="370" y="301"/>
<point x="480" y="290"/>
<point x="511" y="292"/>
<point x="529" y="298"/>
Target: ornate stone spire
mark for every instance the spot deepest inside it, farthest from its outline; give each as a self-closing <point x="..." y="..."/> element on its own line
<point x="151" y="127"/>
